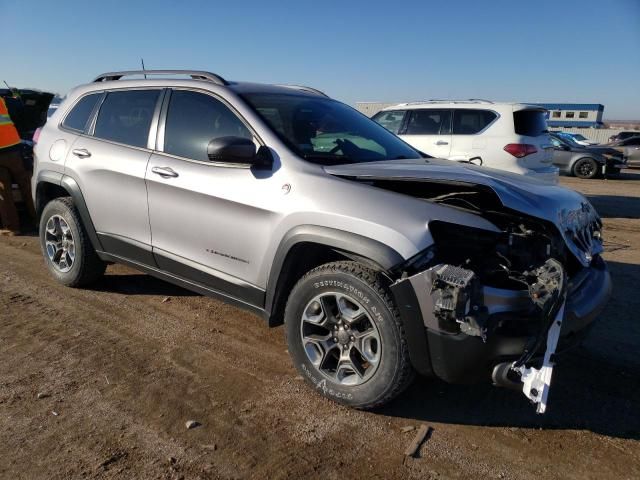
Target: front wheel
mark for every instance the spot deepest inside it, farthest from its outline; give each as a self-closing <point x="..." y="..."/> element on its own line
<point x="345" y="335"/>
<point x="586" y="168"/>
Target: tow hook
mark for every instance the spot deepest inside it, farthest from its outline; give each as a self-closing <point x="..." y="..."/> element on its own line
<point x="536" y="383"/>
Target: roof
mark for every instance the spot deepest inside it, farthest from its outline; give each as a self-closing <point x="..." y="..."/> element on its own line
<point x="573" y="123"/>
<point x="572" y="106"/>
<point x="473" y="103"/>
<point x="199" y="76"/>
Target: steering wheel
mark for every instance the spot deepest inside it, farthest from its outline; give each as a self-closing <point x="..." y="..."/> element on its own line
<point x="347" y="146"/>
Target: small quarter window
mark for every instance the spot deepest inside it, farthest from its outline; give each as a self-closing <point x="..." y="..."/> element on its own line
<point x="80" y="113"/>
<point x="125" y="117"/>
<point x="194" y="119"/>
<point x="469" y="122"/>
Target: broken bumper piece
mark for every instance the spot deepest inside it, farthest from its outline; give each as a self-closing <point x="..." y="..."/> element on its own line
<point x="461" y="331"/>
<point x="536" y="383"/>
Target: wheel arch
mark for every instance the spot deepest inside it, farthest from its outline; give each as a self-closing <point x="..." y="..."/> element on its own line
<point x="308" y="246"/>
<point x="51" y="185"/>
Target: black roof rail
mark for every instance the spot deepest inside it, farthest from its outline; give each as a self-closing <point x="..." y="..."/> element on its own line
<point x="305" y="89"/>
<point x="195" y="74"/>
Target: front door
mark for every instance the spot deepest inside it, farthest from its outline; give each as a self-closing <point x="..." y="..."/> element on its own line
<point x="210" y="222"/>
<point x="429" y="131"/>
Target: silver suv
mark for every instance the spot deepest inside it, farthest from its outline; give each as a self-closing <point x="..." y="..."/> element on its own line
<point x="380" y="261"/>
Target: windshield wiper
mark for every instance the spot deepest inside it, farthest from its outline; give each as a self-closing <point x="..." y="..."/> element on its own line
<point x="326" y="157"/>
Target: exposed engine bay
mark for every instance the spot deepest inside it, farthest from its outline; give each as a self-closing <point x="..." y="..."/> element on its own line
<point x="510" y="283"/>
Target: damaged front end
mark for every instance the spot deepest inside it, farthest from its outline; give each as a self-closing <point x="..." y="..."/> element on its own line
<point x="512" y="273"/>
<point x="495" y="303"/>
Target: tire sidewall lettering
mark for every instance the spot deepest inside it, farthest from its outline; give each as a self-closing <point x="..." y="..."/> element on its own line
<point x="350" y="289"/>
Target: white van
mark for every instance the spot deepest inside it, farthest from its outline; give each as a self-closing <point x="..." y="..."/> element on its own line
<point x="505" y="136"/>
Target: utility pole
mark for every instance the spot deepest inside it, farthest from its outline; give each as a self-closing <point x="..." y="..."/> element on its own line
<point x="142" y="61"/>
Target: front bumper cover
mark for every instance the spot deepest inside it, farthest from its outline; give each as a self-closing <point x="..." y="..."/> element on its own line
<point x="461" y="358"/>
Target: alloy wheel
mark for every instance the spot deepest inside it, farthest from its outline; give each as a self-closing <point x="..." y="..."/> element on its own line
<point x="59" y="243"/>
<point x="340" y="339"/>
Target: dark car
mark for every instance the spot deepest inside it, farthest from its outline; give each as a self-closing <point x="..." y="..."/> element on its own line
<point x="623" y="135"/>
<point x="28" y="112"/>
<point x="585" y="162"/>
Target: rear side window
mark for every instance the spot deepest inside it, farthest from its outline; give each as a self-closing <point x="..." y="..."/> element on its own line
<point x="125" y="117"/>
<point x="392" y="121"/>
<point x="429" y="122"/>
<point x="194" y="119"/>
<point x="531" y="123"/>
<point x="79" y="114"/>
<point x="469" y="122"/>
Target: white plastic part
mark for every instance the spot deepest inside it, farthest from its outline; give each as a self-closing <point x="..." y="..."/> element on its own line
<point x="537" y="382"/>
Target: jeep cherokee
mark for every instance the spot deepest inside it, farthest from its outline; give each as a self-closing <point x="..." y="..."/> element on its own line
<point x="380" y="261"/>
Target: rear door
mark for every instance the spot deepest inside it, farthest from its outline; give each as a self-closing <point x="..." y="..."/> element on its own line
<point x="468" y="137"/>
<point x="429" y="130"/>
<point x="562" y="154"/>
<point x="109" y="164"/>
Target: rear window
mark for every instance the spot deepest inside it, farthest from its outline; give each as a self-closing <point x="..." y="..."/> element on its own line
<point x="469" y="122"/>
<point x="392" y="121"/>
<point x="125" y="117"/>
<point x="78" y="116"/>
<point x="531" y="123"/>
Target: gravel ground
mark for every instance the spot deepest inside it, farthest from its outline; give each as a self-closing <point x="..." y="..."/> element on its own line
<point x="100" y="384"/>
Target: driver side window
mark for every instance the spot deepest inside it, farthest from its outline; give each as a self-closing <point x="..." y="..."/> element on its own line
<point x="194" y="119"/>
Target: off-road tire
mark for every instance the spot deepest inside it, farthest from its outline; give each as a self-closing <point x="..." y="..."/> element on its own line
<point x="586" y="168"/>
<point x="394" y="372"/>
<point x="87" y="266"/>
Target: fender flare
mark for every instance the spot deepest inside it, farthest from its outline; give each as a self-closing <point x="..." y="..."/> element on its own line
<point x="346" y="242"/>
<point x="73" y="189"/>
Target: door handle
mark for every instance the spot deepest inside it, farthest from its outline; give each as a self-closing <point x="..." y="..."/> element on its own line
<point x="165" y="172"/>
<point x="81" y="152"/>
<point x="441" y="142"/>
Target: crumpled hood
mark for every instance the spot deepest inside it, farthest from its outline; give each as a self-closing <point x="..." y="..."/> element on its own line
<point x="568" y="210"/>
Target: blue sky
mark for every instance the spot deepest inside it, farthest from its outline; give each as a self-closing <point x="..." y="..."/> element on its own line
<point x="552" y="51"/>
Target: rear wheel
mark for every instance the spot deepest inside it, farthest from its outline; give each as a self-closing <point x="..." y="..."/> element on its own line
<point x="67" y="251"/>
<point x="586" y="168"/>
<point x="345" y="335"/>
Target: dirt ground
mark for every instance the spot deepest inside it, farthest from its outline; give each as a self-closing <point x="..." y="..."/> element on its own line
<point x="119" y="370"/>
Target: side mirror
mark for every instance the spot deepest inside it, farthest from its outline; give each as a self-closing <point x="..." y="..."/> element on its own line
<point x="238" y="150"/>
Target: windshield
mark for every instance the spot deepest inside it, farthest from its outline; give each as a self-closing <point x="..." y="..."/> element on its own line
<point x="568" y="139"/>
<point x="577" y="136"/>
<point x="325" y="131"/>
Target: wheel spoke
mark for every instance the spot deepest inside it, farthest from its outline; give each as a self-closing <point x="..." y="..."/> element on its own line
<point x="347" y="372"/>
